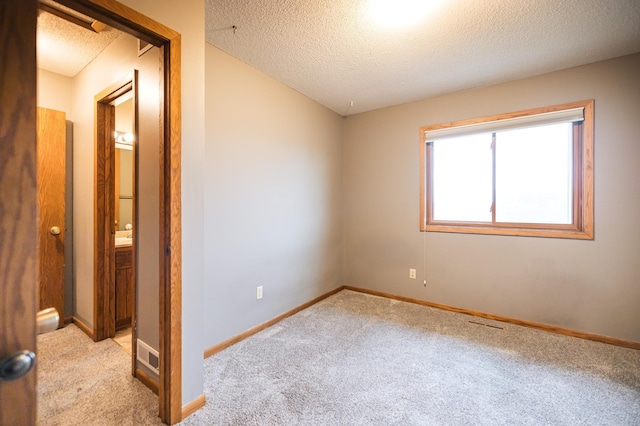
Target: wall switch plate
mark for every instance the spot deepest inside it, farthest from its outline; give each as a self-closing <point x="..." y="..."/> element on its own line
<point x="259" y="292"/>
<point x="412" y="274"/>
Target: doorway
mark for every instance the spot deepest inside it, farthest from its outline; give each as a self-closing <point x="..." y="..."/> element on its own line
<point x="18" y="204"/>
<point x="168" y="270"/>
<point x="115" y="216"/>
<point x="125" y="241"/>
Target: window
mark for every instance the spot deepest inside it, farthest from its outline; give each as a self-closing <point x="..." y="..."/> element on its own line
<point x="528" y="173"/>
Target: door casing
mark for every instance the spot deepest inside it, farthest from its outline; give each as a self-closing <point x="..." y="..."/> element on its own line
<point x="104" y="325"/>
<point x="168" y="41"/>
<point x="105" y="214"/>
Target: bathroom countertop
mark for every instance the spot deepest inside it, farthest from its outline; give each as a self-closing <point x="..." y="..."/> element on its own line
<point x="123" y="242"/>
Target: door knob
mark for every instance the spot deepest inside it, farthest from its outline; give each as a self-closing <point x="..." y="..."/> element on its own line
<point x="16" y="365"/>
<point x="55" y="230"/>
<point x="20" y="363"/>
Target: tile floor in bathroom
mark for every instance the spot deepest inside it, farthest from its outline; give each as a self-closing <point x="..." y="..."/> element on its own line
<point x="123" y="338"/>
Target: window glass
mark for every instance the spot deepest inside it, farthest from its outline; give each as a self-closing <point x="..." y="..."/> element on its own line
<point x="462" y="178"/>
<point x="534" y="179"/>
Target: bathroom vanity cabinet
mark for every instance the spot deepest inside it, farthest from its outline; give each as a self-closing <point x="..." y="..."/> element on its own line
<point x="125" y="283"/>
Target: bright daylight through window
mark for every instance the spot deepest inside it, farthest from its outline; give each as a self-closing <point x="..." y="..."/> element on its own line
<point x="528" y="173"/>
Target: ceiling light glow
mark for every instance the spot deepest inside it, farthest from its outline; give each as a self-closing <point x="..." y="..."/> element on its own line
<point x="400" y="13"/>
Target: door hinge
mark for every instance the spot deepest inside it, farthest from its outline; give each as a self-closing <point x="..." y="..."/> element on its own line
<point x="168" y="251"/>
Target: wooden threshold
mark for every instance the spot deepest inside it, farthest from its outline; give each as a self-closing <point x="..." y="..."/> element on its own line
<point x="148" y="381"/>
<point x="240" y="337"/>
<point x="530" y="324"/>
<point x="193" y="406"/>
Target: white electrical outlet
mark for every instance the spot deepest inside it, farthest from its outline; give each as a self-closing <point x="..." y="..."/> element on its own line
<point x="259" y="292"/>
<point x="412" y="274"/>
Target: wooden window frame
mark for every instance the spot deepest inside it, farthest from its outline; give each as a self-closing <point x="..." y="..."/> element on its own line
<point x="582" y="224"/>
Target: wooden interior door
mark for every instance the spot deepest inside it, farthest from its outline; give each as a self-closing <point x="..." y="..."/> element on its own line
<point x="104" y="325"/>
<point x="51" y="202"/>
<point x="18" y="231"/>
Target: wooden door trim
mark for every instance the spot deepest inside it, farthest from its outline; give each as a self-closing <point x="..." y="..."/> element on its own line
<point x="136" y="224"/>
<point x="171" y="238"/>
<point x="132" y="22"/>
<point x="18" y="211"/>
<point x="104" y="209"/>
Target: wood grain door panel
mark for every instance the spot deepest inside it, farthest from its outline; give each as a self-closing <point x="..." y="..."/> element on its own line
<point x="18" y="220"/>
<point x="124" y="287"/>
<point x="51" y="128"/>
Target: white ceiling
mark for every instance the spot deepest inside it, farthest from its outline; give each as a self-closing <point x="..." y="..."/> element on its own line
<point x="333" y="52"/>
<point x="66" y="48"/>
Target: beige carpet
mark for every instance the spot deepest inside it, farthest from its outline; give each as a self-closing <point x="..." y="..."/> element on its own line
<point x="81" y="382"/>
<point x="355" y="359"/>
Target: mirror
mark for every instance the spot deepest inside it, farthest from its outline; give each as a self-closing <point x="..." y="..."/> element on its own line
<point x="124" y="140"/>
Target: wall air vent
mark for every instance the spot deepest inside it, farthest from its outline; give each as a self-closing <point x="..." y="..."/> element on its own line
<point x="486" y="325"/>
<point x="148" y="357"/>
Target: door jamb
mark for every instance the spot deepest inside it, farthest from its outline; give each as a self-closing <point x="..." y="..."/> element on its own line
<point x="132" y="22"/>
<point x="104" y="210"/>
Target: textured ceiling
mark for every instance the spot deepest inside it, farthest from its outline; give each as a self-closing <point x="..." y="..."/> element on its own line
<point x="334" y="52"/>
<point x="66" y="48"/>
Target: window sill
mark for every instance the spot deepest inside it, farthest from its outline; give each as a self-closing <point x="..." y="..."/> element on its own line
<point x="521" y="232"/>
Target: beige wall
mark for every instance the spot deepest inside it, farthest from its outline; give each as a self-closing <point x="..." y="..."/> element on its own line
<point x="273" y="198"/>
<point x="591" y="286"/>
<point x="187" y="18"/>
<point x="54" y="92"/>
<point x="124" y="116"/>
